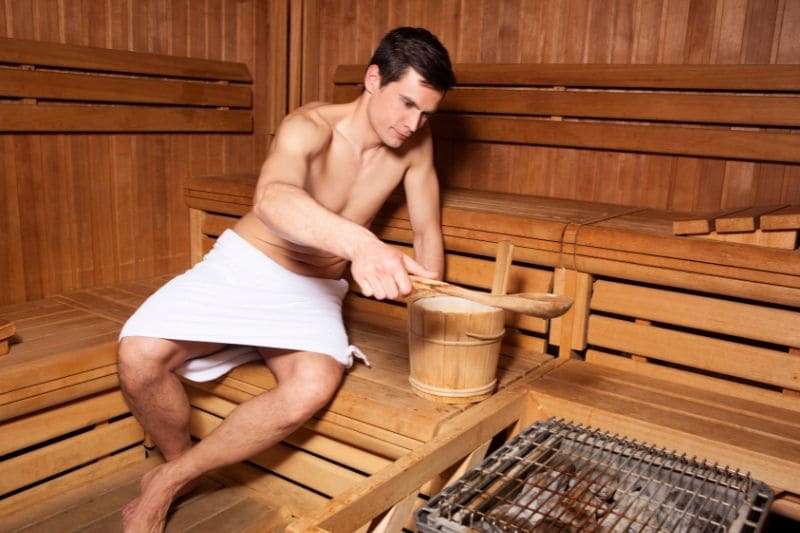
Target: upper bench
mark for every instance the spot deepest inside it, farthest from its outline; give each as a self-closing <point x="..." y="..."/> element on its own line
<point x="68" y="88"/>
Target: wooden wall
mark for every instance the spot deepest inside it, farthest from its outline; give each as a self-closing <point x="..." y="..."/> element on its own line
<point x="84" y="210"/>
<point x="577" y="31"/>
<point x="81" y="210"/>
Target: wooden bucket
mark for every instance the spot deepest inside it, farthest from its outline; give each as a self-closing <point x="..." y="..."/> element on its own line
<point x="454" y="345"/>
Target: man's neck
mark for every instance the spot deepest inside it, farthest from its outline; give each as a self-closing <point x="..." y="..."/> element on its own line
<point x="356" y="127"/>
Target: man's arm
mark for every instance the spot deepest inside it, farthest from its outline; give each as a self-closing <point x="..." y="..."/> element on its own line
<point x="282" y="203"/>
<point x="422" y="196"/>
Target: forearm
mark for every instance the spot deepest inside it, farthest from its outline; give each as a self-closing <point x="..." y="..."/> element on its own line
<point x="429" y="250"/>
<point x="294" y="215"/>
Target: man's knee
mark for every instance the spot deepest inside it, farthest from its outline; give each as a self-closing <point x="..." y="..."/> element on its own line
<point x="141" y="360"/>
<point x="314" y="387"/>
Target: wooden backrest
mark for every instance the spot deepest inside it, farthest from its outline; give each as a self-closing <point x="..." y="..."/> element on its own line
<point x="57" y="87"/>
<point x="746" y="340"/>
<point x="747" y="112"/>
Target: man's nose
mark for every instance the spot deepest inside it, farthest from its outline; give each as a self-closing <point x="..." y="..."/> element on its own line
<point x="414" y="120"/>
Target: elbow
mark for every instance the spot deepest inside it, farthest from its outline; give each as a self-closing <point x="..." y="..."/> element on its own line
<point x="266" y="202"/>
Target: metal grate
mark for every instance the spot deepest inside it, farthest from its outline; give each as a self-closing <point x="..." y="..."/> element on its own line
<point x="559" y="476"/>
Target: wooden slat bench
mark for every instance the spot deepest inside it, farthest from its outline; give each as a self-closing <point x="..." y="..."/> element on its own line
<point x="69" y="88"/>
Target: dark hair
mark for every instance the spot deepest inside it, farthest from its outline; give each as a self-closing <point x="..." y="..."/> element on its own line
<point x="416" y="48"/>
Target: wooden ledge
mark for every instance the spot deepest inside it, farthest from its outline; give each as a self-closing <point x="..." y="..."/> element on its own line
<point x="65" y="346"/>
<point x="7" y="330"/>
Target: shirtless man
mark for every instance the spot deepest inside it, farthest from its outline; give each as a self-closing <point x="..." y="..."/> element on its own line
<point x="329" y="170"/>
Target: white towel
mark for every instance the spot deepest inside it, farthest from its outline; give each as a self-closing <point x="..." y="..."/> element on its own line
<point x="239" y="296"/>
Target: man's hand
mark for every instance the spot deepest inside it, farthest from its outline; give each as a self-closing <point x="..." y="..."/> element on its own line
<point x="382" y="271"/>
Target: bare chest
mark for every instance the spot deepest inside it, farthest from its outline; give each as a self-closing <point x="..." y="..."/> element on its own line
<point x="352" y="187"/>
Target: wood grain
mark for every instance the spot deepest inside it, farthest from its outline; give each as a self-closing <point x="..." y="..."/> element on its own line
<point x="86" y="209"/>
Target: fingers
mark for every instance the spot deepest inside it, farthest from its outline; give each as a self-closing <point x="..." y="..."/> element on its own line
<point x="384" y="273"/>
<point x="412" y="267"/>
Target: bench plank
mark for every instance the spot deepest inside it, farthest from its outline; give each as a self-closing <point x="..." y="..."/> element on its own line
<point x="690" y="350"/>
<point x="717" y="315"/>
<point x="93" y="88"/>
<point x="786" y="218"/>
<point x="29" y="52"/>
<point x="729" y="77"/>
<point x="40" y="427"/>
<point x="703" y="142"/>
<point x="76" y="118"/>
<point x="64" y="455"/>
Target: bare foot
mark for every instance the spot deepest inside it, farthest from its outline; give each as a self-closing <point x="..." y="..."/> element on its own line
<point x="148" y="512"/>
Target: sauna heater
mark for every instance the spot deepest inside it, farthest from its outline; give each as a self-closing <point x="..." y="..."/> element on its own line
<point x="559" y="476"/>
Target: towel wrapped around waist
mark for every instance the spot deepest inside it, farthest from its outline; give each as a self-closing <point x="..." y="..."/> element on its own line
<point x="238" y="296"/>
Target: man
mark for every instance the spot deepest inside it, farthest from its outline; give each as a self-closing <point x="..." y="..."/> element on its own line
<point x="274" y="282"/>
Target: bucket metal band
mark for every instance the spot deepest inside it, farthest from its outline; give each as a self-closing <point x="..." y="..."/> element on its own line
<point x="453" y="393"/>
<point x="482" y="339"/>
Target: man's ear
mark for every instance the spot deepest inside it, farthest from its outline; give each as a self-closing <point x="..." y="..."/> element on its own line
<point x="372" y="79"/>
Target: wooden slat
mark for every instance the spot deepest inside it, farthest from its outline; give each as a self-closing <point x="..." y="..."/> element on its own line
<point x="214" y="224"/>
<point x="304" y="438"/>
<point x="37" y="428"/>
<point x="779" y="405"/>
<point x="698" y="223"/>
<point x="689" y="108"/>
<point x="28" y="52"/>
<point x="757" y="110"/>
<point x="661" y="76"/>
<point x="304" y="468"/>
<point x="749" y="321"/>
<point x="64" y="455"/>
<point x="74" y="357"/>
<point x="696" y="351"/>
<point x="708" y="282"/>
<point x="782" y="239"/>
<point x="786" y="218"/>
<point x="296" y="499"/>
<point x="56" y="392"/>
<point x="745" y="220"/>
<point x="781" y="425"/>
<point x="95" y="88"/>
<point x="77" y="118"/>
<point x="711" y="142"/>
<point x="44" y="500"/>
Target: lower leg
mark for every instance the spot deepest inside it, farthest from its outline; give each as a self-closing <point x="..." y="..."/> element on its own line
<point x="305" y="384"/>
<point x="155" y="395"/>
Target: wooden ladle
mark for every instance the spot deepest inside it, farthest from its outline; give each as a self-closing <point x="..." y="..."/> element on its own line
<point x="539" y="304"/>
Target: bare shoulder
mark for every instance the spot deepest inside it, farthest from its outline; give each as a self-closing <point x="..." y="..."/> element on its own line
<point x="304" y="128"/>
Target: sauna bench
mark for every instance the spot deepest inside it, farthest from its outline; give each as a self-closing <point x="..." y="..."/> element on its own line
<point x="655" y="346"/>
<point x="73" y="453"/>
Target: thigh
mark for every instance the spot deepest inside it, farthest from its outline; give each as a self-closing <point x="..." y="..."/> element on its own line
<point x="171" y="353"/>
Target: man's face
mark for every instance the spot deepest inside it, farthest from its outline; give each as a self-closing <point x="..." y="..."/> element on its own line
<point x="400" y="108"/>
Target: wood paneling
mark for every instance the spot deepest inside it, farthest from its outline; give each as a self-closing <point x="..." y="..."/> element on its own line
<point x="700" y="32"/>
<point x="84" y="209"/>
<point x="79" y="210"/>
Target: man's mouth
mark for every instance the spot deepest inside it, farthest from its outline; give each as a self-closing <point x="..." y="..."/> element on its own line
<point x="401" y="136"/>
